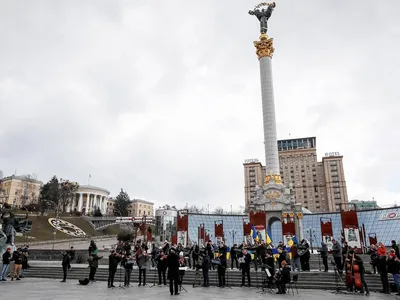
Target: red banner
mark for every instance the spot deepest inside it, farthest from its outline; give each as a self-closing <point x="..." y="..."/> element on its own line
<point x="326" y="227"/>
<point x="258" y="218"/>
<point x="149" y="236"/>
<point x="372" y="239"/>
<point x="288" y="227"/>
<point x="350" y="228"/>
<point x="183" y="221"/>
<point x="246" y="228"/>
<point x="219" y="229"/>
<point x="143" y="228"/>
<point x="207" y="236"/>
<point x="174" y="239"/>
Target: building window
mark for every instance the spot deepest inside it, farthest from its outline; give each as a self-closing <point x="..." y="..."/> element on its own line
<point x="140" y="211"/>
<point x="148" y="213"/>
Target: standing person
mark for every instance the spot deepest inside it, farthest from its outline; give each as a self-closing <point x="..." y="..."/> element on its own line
<point x="295" y="261"/>
<point x="161" y="261"/>
<point x="382" y="268"/>
<point x="210" y="253"/>
<point x="324" y="255"/>
<point x="113" y="260"/>
<point x="205" y="267"/>
<point x="395" y="247"/>
<point x="352" y="259"/>
<point x="94" y="264"/>
<point x="17" y="258"/>
<point x="188" y="255"/>
<point x="173" y="271"/>
<point x="141" y="259"/>
<point x="65" y="264"/>
<point x="304" y="247"/>
<point x="222" y="269"/>
<point x="6" y="264"/>
<point x="337" y="255"/>
<point x="245" y="261"/>
<point x="373" y="257"/>
<point x="234" y="257"/>
<point x="92" y="247"/>
<point x="128" y="265"/>
<point x="195" y="254"/>
<point x="153" y="255"/>
<point x="345" y="250"/>
<point x="25" y="254"/>
<point x="393" y="263"/>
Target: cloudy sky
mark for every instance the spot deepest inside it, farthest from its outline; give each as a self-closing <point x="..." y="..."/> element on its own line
<point x="162" y="98"/>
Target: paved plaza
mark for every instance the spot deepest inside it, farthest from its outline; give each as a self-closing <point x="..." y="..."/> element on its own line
<point x="34" y="288"/>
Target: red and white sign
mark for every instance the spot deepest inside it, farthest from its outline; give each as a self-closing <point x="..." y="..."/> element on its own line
<point x="394" y="215"/>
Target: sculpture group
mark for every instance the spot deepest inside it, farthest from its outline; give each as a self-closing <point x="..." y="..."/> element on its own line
<point x="263" y="15"/>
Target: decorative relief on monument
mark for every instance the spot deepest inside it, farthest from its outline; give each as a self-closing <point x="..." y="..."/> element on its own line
<point x="264" y="46"/>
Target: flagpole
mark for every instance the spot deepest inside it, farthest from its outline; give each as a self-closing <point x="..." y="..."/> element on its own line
<point x="90" y="176"/>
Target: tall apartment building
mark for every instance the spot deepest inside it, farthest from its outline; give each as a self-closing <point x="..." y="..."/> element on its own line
<point x="318" y="186"/>
<point x="19" y="191"/>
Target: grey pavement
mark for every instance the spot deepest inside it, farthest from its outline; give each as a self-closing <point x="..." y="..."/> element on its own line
<point x="45" y="289"/>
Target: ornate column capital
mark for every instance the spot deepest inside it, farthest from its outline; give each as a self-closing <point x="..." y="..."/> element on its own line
<point x="264" y="46"/>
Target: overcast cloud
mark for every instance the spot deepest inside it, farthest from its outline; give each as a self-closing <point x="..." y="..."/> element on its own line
<point x="162" y="98"/>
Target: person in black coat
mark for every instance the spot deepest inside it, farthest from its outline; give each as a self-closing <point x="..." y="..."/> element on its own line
<point x="173" y="271"/>
<point x="128" y="265"/>
<point x="324" y="255"/>
<point x="161" y="261"/>
<point x="195" y="254"/>
<point x="282" y="277"/>
<point x="205" y="267"/>
<point x="66" y="260"/>
<point x="245" y="261"/>
<point x="113" y="261"/>
<point x="210" y="253"/>
<point x="221" y="270"/>
<point x="234" y="256"/>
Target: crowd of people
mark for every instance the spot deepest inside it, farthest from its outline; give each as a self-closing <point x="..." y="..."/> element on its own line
<point x="20" y="259"/>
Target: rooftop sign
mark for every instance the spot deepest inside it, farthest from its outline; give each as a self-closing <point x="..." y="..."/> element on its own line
<point x="394" y="215"/>
<point x="332" y="154"/>
<point x="251" y="160"/>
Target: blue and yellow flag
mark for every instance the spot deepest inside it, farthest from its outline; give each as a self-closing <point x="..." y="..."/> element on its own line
<point x="268" y="238"/>
<point x="292" y="241"/>
<point x="253" y="233"/>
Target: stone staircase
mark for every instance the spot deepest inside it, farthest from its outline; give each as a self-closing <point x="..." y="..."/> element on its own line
<point x="307" y="280"/>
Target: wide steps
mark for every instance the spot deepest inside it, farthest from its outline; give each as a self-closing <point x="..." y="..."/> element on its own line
<point x="307" y="280"/>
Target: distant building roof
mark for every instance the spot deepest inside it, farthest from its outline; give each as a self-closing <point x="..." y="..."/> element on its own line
<point x="20" y="177"/>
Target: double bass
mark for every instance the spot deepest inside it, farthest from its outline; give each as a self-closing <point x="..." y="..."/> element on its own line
<point x="353" y="275"/>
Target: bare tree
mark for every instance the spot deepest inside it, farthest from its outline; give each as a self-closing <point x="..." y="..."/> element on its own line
<point x="195" y="209"/>
<point x="219" y="210"/>
<point x="67" y="192"/>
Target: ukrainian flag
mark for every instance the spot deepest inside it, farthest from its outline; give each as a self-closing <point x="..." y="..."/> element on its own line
<point x="268" y="239"/>
<point x="292" y="241"/>
<point x="253" y="233"/>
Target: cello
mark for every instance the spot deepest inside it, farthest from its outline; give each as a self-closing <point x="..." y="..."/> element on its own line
<point x="357" y="275"/>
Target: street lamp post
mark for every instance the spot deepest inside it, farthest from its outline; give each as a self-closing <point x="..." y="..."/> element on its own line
<point x="233" y="233"/>
<point x="57" y="207"/>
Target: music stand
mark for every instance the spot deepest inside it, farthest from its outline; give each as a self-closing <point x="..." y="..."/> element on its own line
<point x="227" y="278"/>
<point x="154" y="276"/>
<point x="120" y="277"/>
<point x="337" y="278"/>
<point x="181" y="279"/>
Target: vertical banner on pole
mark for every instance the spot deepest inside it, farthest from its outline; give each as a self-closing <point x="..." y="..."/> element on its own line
<point x="327" y="232"/>
<point x="201" y="235"/>
<point x="288" y="228"/>
<point x="351" y="232"/>
<point x="246" y="230"/>
<point x="219" y="231"/>
<point x="207" y="235"/>
<point x="372" y="239"/>
<point x="182" y="225"/>
<point x="259" y="220"/>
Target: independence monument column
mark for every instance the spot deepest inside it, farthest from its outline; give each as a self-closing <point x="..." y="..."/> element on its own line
<point x="264" y="52"/>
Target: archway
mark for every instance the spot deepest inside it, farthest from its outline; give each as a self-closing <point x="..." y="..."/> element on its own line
<point x="274" y="225"/>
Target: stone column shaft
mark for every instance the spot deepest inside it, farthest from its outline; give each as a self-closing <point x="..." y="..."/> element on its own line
<point x="80" y="203"/>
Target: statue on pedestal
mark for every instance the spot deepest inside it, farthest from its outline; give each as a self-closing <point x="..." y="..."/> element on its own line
<point x="263" y="15"/>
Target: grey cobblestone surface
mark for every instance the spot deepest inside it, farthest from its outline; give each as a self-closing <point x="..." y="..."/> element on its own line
<point x="44" y="289"/>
